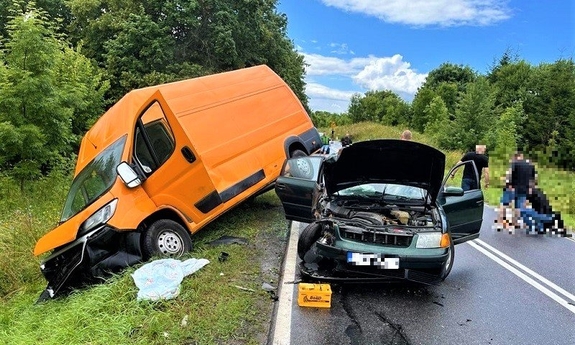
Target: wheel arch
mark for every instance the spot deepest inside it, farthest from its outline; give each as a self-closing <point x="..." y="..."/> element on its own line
<point x="165" y="213"/>
<point x="294" y="143"/>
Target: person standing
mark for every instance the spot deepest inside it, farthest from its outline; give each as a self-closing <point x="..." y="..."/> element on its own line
<point x="522" y="180"/>
<point x="469" y="182"/>
<point x="346" y="141"/>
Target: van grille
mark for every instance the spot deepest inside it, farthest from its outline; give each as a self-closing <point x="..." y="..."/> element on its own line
<point x="376" y="237"/>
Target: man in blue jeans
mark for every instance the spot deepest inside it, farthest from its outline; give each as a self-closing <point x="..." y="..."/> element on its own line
<point x="539" y="216"/>
<point x="522" y="180"/>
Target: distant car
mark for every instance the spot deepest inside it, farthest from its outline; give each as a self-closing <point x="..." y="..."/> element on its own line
<point x="380" y="210"/>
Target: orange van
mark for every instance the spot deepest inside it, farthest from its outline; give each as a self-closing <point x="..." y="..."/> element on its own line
<point x="165" y="161"/>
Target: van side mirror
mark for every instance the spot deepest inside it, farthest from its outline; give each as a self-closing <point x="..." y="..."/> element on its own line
<point x="128" y="175"/>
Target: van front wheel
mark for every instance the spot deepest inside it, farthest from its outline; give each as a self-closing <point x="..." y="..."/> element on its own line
<point x="297" y="153"/>
<point x="165" y="238"/>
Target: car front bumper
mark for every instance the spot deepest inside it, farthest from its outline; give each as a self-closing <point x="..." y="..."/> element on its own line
<point x="329" y="263"/>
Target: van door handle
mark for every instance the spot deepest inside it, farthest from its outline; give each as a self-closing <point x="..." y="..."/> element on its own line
<point x="280" y="186"/>
<point x="188" y="154"/>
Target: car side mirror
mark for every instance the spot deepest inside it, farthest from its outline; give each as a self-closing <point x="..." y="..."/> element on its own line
<point x="128" y="175"/>
<point x="452" y="191"/>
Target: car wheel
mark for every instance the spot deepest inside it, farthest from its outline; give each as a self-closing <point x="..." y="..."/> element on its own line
<point x="297" y="153"/>
<point x="303" y="168"/>
<point x="307" y="238"/>
<point x="166" y="238"/>
<point x="449" y="263"/>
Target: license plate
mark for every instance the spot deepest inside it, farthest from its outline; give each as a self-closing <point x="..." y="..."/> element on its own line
<point x="378" y="260"/>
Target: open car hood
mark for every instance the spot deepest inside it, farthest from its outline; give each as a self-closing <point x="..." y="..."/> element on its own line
<point x="386" y="161"/>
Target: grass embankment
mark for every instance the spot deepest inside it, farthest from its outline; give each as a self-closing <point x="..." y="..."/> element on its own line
<point x="558" y="185"/>
<point x="210" y="309"/>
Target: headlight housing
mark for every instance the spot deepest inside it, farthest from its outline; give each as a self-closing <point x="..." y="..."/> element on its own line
<point x="432" y="240"/>
<point x="101" y="216"/>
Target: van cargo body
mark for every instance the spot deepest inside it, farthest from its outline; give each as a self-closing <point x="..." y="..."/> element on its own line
<point x="165" y="161"/>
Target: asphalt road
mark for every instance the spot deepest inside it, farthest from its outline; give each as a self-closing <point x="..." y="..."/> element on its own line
<point x="503" y="289"/>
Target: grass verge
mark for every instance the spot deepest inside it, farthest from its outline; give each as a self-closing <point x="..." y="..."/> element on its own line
<point x="223" y="303"/>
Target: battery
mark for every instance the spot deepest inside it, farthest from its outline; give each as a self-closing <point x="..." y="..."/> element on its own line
<point x="314" y="295"/>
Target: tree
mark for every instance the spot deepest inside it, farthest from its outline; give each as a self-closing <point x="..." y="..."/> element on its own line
<point x="48" y="96"/>
<point x="421" y="102"/>
<point x="550" y="108"/>
<point x="144" y="42"/>
<point x="474" y="115"/>
<point x="438" y="123"/>
<point x="379" y="106"/>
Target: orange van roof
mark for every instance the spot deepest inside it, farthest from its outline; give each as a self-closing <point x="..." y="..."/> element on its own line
<point x="206" y="91"/>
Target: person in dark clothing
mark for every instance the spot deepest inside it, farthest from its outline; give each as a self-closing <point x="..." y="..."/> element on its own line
<point x="522" y="179"/>
<point x="345" y="141"/>
<point x="539" y="216"/>
<point x="469" y="181"/>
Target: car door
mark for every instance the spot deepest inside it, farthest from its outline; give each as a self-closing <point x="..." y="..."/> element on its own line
<point x="175" y="174"/>
<point x="463" y="209"/>
<point x="298" y="187"/>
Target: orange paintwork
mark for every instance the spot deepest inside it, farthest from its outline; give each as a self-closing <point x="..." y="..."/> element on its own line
<point x="235" y="123"/>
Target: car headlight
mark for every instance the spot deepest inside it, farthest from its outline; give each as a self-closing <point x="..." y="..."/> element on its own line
<point x="432" y="240"/>
<point x="101" y="216"/>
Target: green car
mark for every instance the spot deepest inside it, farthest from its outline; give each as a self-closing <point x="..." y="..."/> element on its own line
<point x="379" y="210"/>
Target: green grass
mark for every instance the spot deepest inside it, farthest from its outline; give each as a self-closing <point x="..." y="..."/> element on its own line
<point x="217" y="311"/>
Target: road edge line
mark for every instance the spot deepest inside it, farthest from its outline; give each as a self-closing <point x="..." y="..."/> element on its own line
<point x="282" y="324"/>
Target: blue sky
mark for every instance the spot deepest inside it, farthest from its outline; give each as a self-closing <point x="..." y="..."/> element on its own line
<point x="354" y="46"/>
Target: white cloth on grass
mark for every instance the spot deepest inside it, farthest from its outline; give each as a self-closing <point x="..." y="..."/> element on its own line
<point x="161" y="279"/>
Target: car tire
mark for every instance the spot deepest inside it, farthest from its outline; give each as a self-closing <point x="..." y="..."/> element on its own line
<point x="165" y="238"/>
<point x="449" y="263"/>
<point x="307" y="238"/>
<point x="297" y="153"/>
<point x="303" y="168"/>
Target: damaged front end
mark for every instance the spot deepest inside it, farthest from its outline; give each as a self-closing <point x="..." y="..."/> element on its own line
<point x="348" y="245"/>
<point x="93" y="256"/>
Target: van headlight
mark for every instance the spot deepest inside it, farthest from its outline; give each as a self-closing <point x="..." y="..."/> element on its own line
<point x="429" y="240"/>
<point x="101" y="216"/>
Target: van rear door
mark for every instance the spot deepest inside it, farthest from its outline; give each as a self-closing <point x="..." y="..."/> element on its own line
<point x="176" y="175"/>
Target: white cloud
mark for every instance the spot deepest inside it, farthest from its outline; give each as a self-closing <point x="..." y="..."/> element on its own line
<point x="315" y="90"/>
<point x="429" y="12"/>
<point x="390" y="74"/>
<point x="371" y="73"/>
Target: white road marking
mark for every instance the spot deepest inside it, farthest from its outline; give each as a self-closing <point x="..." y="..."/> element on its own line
<point x="475" y="244"/>
<point x="528" y="270"/>
<point x="282" y="329"/>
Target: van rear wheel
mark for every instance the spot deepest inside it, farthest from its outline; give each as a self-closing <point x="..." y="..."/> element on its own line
<point x="165" y="238"/>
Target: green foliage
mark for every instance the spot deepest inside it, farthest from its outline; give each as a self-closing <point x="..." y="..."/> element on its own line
<point x="325" y="119"/>
<point x="49" y="94"/>
<point x="142" y="43"/>
<point x="474" y="116"/>
<point x="217" y="312"/>
<point x="550" y="108"/>
<point x="502" y="140"/>
<point x="438" y="118"/>
<point x="379" y="106"/>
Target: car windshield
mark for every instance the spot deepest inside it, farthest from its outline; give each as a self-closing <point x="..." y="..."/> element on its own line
<point x="385" y="191"/>
<point x="94" y="180"/>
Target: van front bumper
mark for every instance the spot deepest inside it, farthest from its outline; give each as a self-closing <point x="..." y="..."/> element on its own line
<point x="94" y="255"/>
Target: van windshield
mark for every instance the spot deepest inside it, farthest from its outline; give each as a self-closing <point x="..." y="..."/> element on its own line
<point x="94" y="180"/>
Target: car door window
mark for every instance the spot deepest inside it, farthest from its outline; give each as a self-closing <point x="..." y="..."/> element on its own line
<point x="464" y="176"/>
<point x="154" y="142"/>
